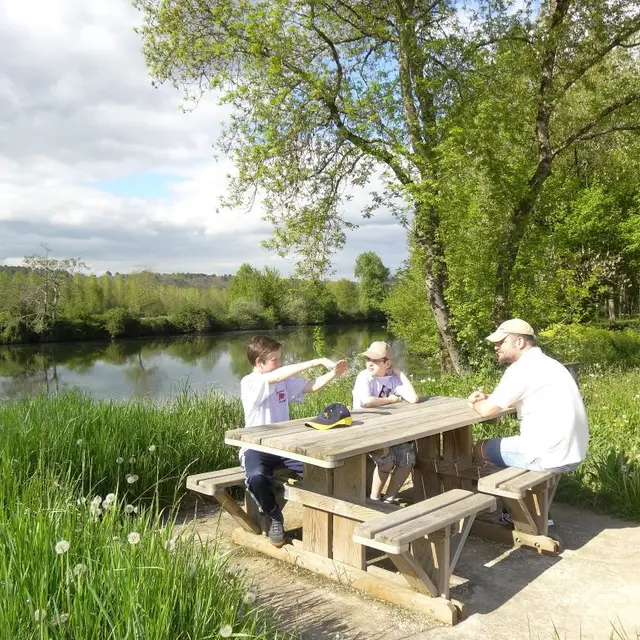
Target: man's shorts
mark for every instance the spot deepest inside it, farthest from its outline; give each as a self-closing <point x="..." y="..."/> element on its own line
<point x="401" y="455"/>
<point x="507" y="452"/>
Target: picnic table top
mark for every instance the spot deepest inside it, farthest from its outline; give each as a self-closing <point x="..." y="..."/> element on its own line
<point x="371" y="429"/>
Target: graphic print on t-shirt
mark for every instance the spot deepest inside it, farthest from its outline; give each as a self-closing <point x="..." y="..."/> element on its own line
<point x="282" y="396"/>
<point x="385" y="392"/>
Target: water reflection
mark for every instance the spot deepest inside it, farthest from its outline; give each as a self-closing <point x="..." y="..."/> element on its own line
<point x="160" y="368"/>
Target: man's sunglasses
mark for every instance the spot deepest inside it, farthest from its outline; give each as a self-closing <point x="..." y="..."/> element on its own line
<point x="380" y="361"/>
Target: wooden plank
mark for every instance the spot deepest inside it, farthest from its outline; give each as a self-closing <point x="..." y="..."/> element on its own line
<point x="426" y="481"/>
<point x="522" y="518"/>
<point x="507" y="535"/>
<point x="449" y="455"/>
<point x="207" y="483"/>
<point x="413" y="573"/>
<point x="371" y="528"/>
<point x="460" y="542"/>
<point x="519" y="485"/>
<point x="349" y="484"/>
<point x="490" y="483"/>
<point x="325" y="442"/>
<point x="434" y="521"/>
<point x="444" y="610"/>
<point x="330" y="504"/>
<point x="463" y="445"/>
<point x="288" y="454"/>
<point x="236" y="511"/>
<point x="537" y="501"/>
<point x="441" y="545"/>
<point x="317" y="525"/>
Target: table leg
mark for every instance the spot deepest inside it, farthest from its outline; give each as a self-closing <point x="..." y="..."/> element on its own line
<point x="426" y="481"/>
<point x="463" y="443"/>
<point x="317" y="526"/>
<point x="349" y="483"/>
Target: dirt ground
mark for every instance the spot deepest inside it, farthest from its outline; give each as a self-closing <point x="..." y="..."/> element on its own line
<point x="590" y="591"/>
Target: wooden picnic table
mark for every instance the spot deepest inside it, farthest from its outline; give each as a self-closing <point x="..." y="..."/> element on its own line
<point x="334" y="494"/>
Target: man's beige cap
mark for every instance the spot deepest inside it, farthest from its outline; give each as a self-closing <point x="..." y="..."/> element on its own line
<point x="515" y="325"/>
<point x="378" y="351"/>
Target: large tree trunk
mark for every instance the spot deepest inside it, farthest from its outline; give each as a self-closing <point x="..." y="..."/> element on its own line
<point x="425" y="237"/>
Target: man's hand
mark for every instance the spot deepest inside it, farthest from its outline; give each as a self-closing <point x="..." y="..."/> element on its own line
<point x="340" y="368"/>
<point x="477" y="396"/>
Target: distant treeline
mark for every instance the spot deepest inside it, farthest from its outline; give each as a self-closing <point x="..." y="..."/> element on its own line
<point x="53" y="300"/>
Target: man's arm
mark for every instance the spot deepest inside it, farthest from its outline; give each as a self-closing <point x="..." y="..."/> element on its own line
<point x="323" y="380"/>
<point x="290" y="370"/>
<point x="480" y="403"/>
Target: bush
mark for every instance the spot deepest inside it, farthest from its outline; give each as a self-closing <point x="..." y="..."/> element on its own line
<point x="119" y="322"/>
<point x="569" y="343"/>
<point x="250" y="314"/>
<point x="194" y="320"/>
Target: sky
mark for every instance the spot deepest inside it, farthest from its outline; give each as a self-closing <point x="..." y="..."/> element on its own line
<point x="96" y="163"/>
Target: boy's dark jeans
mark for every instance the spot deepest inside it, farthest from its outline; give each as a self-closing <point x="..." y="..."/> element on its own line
<point x="259" y="468"/>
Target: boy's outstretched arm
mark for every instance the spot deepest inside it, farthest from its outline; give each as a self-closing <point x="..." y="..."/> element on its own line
<point x="323" y="380"/>
<point x="291" y="370"/>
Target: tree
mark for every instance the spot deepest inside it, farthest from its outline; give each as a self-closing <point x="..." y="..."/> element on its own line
<point x="51" y="276"/>
<point x="329" y="94"/>
<point x="373" y="278"/>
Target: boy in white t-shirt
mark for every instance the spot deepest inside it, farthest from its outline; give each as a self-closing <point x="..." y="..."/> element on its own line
<point x="378" y="385"/>
<point x="266" y="393"/>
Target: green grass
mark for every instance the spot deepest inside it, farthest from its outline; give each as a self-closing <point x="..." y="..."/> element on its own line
<point x="60" y="453"/>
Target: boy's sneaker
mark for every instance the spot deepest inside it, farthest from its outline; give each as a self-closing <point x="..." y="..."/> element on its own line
<point x="276" y="527"/>
<point x="505" y="518"/>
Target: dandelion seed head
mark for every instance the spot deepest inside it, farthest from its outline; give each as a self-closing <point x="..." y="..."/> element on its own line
<point x="249" y="597"/>
<point x="62" y="546"/>
<point x="152" y="448"/>
<point x="39" y="614"/>
<point x="119" y="460"/>
<point x="129" y="509"/>
<point x="79" y="569"/>
<point x="61" y="619"/>
<point x="131" y="478"/>
<point x="133" y="538"/>
<point x="132" y="460"/>
<point x="79" y="442"/>
<point x="226" y="631"/>
<point x="170" y="545"/>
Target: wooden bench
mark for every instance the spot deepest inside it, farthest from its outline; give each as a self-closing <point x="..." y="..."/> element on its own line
<point x="527" y="495"/>
<point x="216" y="483"/>
<point x="426" y="564"/>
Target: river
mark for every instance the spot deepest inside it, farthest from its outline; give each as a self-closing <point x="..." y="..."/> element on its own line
<point x="160" y="368"/>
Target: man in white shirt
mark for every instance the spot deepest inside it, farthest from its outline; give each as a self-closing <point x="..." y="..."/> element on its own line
<point x="266" y="393"/>
<point x="553" y="424"/>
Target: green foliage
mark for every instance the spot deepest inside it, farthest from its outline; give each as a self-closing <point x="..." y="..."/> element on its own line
<point x="117" y="322"/>
<point x="373" y="281"/>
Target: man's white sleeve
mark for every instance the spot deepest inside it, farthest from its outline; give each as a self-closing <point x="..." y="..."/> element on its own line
<point x="509" y="390"/>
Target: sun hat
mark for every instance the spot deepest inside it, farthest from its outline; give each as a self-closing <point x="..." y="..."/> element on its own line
<point x="378" y="350"/>
<point x="515" y="325"/>
<point x="333" y="415"/>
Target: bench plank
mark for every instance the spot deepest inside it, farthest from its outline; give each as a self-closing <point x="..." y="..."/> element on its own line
<point x="371" y="528"/>
<point x="403" y="534"/>
<point x="210" y="481"/>
<point x="524" y="482"/>
<point x="493" y="481"/>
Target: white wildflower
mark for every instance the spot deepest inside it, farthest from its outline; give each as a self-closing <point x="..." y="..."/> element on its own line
<point x="133" y="538"/>
<point x="170" y="545"/>
<point x="62" y="547"/>
<point x="152" y="448"/>
<point x="129" y="509"/>
<point x="132" y="460"/>
<point x="249" y="597"/>
<point x="79" y="442"/>
<point x="131" y="478"/>
<point x="79" y="569"/>
<point x="226" y="631"/>
<point x="39" y="614"/>
<point x="61" y="619"/>
<point x="119" y="460"/>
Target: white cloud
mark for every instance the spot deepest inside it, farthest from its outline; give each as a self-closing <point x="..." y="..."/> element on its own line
<point x="78" y="114"/>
